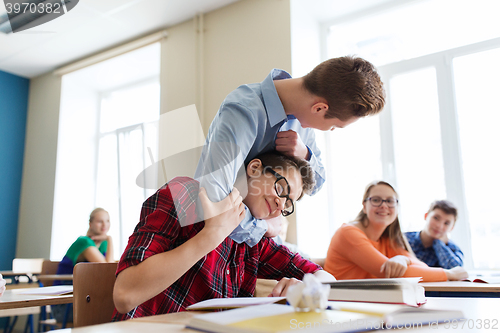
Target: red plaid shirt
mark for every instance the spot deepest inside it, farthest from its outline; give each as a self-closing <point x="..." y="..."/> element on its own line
<point x="231" y="270"/>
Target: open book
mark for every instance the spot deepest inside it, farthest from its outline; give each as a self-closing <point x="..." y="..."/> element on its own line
<point x="233" y="303"/>
<point x="483" y="279"/>
<point x="276" y="318"/>
<point x="394" y="290"/>
<point x="52" y="290"/>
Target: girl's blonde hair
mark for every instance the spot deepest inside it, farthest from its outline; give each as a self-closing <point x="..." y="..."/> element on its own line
<point x="393" y="231"/>
<point x="95" y="211"/>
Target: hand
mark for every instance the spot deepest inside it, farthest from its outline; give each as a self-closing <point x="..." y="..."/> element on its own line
<point x="456" y="274"/>
<point x="444" y="238"/>
<point x="2" y="285"/>
<point x="100" y="237"/>
<point x="395" y="266"/>
<point x="282" y="287"/>
<point x="273" y="226"/>
<point x="289" y="143"/>
<point x="224" y="216"/>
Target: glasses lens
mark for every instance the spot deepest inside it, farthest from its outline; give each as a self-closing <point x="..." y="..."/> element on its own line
<point x="288" y="207"/>
<point x="281" y="187"/>
<point x="391" y="203"/>
<point x="376" y="201"/>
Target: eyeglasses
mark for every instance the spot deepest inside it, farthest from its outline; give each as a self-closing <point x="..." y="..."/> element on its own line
<point x="282" y="190"/>
<point x="378" y="201"/>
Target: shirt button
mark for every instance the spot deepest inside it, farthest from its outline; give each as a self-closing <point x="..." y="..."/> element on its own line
<point x="227" y="271"/>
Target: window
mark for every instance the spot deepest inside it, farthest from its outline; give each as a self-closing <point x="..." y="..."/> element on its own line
<point x="128" y="128"/>
<point x="107" y="136"/>
<point x="436" y="137"/>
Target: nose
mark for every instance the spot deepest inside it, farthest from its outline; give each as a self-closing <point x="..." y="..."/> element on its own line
<point x="384" y="203"/>
<point x="280" y="202"/>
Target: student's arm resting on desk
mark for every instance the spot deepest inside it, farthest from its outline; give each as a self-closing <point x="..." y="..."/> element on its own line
<point x="449" y="256"/>
<point x="356" y="246"/>
<point x="153" y="268"/>
<point x="279" y="263"/>
<point x="229" y="141"/>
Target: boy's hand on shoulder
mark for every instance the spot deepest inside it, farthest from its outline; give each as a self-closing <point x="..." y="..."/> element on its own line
<point x="282" y="287"/>
<point x="224" y="216"/>
<point x="289" y="143"/>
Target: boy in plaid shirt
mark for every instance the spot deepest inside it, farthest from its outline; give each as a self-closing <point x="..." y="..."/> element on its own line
<point x="172" y="262"/>
<point x="431" y="245"/>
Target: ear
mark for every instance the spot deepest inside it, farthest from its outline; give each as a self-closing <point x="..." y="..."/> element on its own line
<point x="319" y="108"/>
<point x="254" y="168"/>
<point x="425" y="216"/>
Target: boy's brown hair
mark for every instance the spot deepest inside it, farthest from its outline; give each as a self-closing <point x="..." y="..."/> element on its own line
<point x="446" y="206"/>
<point x="350" y="85"/>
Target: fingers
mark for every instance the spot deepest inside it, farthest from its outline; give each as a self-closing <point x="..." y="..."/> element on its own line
<point x="286" y="134"/>
<point x="278" y="289"/>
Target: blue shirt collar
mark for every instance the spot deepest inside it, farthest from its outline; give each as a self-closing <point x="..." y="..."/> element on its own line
<point x="274" y="108"/>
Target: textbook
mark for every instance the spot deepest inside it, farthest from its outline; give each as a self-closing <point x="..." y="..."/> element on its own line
<point x="397" y="315"/>
<point x="344" y="317"/>
<point x="233" y="303"/>
<point x="390" y="290"/>
<point x="278" y="318"/>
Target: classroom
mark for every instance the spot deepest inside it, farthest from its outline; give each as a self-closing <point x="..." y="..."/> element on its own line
<point x="103" y="105"/>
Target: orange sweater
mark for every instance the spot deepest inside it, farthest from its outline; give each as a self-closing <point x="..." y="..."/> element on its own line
<point x="352" y="255"/>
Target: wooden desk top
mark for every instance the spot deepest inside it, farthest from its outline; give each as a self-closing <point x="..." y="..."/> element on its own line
<point x="476" y="310"/>
<point x="461" y="286"/>
<point x="13" y="299"/>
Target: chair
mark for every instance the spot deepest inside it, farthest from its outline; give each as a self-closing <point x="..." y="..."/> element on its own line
<point x="48" y="268"/>
<point x="93" y="293"/>
<point x="46" y="319"/>
<point x="27" y="267"/>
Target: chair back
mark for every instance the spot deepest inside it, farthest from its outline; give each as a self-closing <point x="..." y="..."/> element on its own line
<point x="93" y="293"/>
<point x="48" y="268"/>
<point x="25" y="265"/>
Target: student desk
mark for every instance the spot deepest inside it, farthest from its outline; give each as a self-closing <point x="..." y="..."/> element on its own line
<point x="461" y="289"/>
<point x="476" y="310"/>
<point x="12" y="299"/>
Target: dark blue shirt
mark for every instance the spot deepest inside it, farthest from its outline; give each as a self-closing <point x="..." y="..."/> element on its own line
<point x="439" y="254"/>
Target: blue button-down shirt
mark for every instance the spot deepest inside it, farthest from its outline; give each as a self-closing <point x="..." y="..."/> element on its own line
<point x="245" y="127"/>
<point x="439" y="254"/>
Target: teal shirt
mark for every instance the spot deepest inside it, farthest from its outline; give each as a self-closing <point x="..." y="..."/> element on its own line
<point x="80" y="245"/>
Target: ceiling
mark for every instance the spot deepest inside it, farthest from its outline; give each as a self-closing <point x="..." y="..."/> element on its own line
<point x="96" y="25"/>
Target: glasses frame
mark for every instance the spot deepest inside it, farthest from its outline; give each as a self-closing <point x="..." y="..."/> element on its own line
<point x="383" y="200"/>
<point x="287" y="196"/>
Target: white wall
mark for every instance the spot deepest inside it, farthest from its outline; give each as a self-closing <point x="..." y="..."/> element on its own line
<point x="37" y="190"/>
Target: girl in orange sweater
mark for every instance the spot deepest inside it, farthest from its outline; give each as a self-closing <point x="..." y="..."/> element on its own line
<point x="373" y="246"/>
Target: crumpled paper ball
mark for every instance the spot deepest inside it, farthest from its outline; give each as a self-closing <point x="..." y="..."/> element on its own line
<point x="311" y="295"/>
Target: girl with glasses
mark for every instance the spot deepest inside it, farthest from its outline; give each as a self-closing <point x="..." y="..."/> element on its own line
<point x="373" y="246"/>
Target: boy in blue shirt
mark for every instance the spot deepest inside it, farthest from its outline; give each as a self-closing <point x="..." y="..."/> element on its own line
<point x="281" y="113"/>
<point x="431" y="245"/>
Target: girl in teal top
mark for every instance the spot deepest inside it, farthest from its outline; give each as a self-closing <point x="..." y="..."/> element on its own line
<point x="96" y="246"/>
